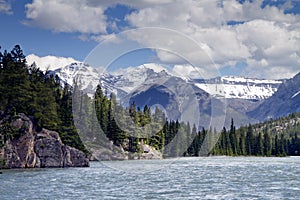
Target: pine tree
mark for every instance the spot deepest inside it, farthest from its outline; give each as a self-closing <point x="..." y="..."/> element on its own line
<point x="242" y="143"/>
<point x="250" y="141"/>
<point x="260" y="145"/>
<point x="14" y="81"/>
<point x="233" y="139"/>
<point x="267" y="143"/>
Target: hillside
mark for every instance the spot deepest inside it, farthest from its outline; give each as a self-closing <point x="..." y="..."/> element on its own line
<point x="285" y="101"/>
<point x="280" y="137"/>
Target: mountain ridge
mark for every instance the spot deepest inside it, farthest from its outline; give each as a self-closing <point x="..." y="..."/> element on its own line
<point x="245" y="96"/>
<point x="127" y="80"/>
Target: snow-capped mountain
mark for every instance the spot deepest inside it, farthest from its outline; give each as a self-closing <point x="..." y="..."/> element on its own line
<point x="239" y="87"/>
<point x="155" y="84"/>
<point x="230" y="87"/>
<point x="121" y="82"/>
<point x="86" y="76"/>
<point x="126" y="80"/>
<point x="131" y="78"/>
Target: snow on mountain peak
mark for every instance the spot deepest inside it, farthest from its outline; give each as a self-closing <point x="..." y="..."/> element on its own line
<point x="239" y="87"/>
<point x="130" y="78"/>
<point x="156" y="68"/>
<point x="87" y="76"/>
<point x="240" y="79"/>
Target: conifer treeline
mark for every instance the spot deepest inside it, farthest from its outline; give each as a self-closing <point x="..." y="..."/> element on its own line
<point x="272" y="138"/>
<point x="105" y="110"/>
<point x="26" y="89"/>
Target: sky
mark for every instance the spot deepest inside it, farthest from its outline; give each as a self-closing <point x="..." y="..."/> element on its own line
<point x="255" y="38"/>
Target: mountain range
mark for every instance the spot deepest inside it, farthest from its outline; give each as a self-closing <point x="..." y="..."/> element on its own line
<point x="247" y="100"/>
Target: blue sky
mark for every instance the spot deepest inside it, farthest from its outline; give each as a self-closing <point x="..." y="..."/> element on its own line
<point x="35" y="40"/>
<point x="250" y="38"/>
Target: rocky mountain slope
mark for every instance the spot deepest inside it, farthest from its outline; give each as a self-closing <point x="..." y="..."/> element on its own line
<point x="84" y="75"/>
<point x="285" y="101"/>
<point x="227" y="87"/>
<point x="35" y="149"/>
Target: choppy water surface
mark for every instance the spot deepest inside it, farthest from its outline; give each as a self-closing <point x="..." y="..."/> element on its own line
<point x="184" y="178"/>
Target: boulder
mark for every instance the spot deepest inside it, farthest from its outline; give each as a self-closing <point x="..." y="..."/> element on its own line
<point x="104" y="154"/>
<point x="150" y="152"/>
<point x="39" y="149"/>
<point x="74" y="158"/>
<point x="118" y="152"/>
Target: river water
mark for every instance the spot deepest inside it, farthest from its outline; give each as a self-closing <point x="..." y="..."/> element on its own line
<point x="184" y="178"/>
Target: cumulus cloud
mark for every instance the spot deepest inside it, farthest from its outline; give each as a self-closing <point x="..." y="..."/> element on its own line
<point x="266" y="38"/>
<point x="134" y="4"/>
<point x="223" y="32"/>
<point x="191" y="71"/>
<point x="49" y="62"/>
<point x="5" y="7"/>
<point x="82" y="16"/>
<point x="66" y="16"/>
<point x="171" y="46"/>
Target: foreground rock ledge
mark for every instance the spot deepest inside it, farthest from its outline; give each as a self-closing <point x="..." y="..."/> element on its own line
<point x="39" y="149"/>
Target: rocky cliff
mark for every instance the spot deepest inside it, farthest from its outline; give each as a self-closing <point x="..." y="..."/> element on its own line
<point x="30" y="148"/>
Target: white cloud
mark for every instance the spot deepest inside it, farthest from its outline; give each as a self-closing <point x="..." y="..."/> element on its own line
<point x="267" y="39"/>
<point x="82" y="16"/>
<point x="5" y="7"/>
<point x="49" y="62"/>
<point x="274" y="48"/>
<point x="171" y="46"/>
<point x="192" y="72"/>
<point x="233" y="10"/>
<point x="134" y="4"/>
<point x="106" y="38"/>
<point x="66" y="16"/>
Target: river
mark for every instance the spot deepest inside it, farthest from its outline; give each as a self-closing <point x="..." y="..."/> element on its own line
<point x="184" y="178"/>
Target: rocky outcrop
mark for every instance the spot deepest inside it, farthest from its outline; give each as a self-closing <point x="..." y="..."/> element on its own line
<point x="150" y="153"/>
<point x="38" y="149"/>
<point x="110" y="152"/>
<point x="117" y="152"/>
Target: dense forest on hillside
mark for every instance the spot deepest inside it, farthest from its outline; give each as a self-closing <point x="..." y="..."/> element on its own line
<point x="26" y="89"/>
<point x="278" y="137"/>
